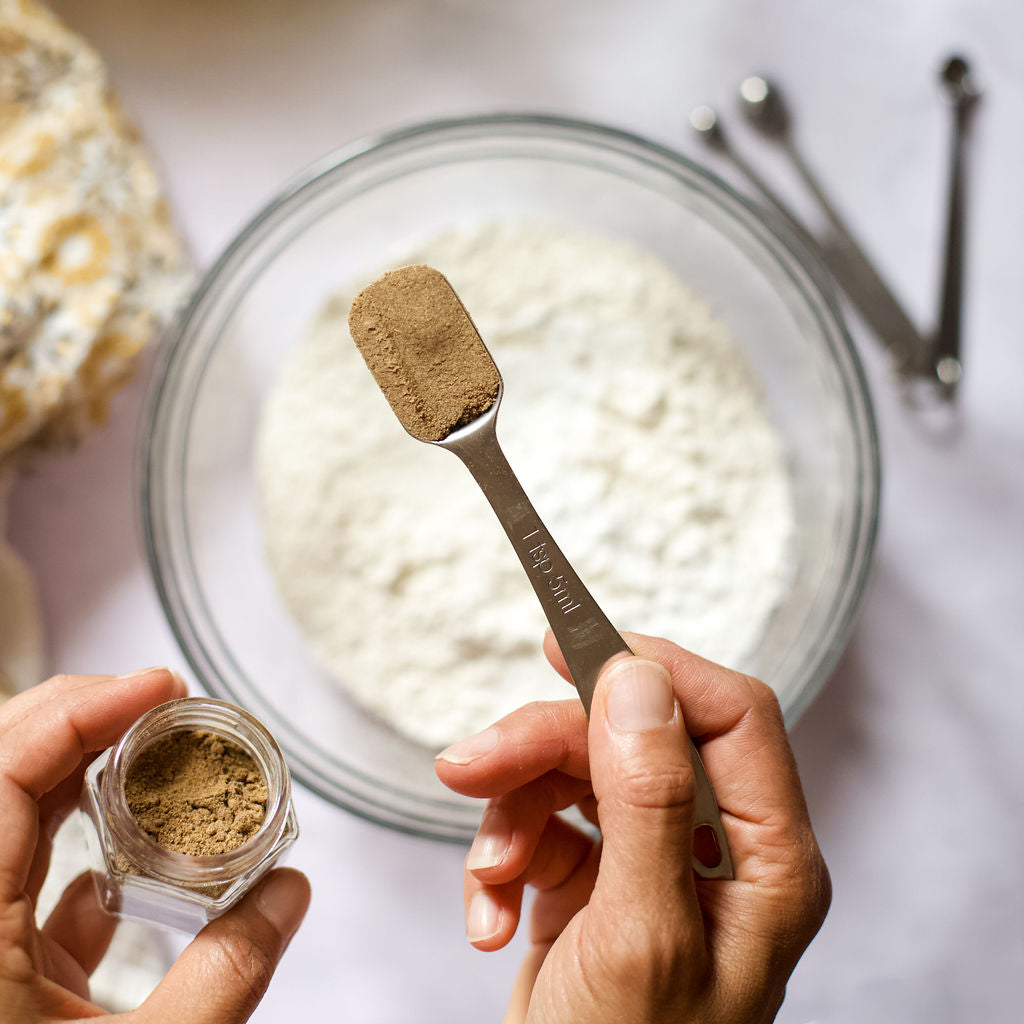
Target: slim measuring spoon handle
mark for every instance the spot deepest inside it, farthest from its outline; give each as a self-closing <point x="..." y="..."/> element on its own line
<point x="947" y="338"/>
<point x="584" y="633"/>
<point x="765" y="108"/>
<point x="708" y="128"/>
<point x="864" y="285"/>
<point x="964" y="96"/>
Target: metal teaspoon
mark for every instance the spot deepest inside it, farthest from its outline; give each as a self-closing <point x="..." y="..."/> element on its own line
<point x="584" y="633"/>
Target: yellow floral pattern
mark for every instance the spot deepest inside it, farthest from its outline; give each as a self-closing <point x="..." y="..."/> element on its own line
<point x="83" y="228"/>
<point x="42" y="152"/>
<point x="90" y="265"/>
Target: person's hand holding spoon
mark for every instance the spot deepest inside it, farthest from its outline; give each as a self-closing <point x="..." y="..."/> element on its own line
<point x="622" y="929"/>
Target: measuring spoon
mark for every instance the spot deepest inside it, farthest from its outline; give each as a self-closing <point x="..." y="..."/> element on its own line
<point x="584" y="633"/>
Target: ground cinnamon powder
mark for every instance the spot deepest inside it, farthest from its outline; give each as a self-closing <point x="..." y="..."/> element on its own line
<point x="195" y="792"/>
<point x="424" y="352"/>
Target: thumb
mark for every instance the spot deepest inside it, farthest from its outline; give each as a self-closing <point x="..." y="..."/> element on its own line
<point x="644" y="783"/>
<point x="226" y="969"/>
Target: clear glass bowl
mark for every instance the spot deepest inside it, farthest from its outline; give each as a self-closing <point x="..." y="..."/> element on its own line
<point x="339" y="218"/>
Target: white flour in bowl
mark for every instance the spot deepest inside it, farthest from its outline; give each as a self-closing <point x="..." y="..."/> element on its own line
<point x="630" y="417"/>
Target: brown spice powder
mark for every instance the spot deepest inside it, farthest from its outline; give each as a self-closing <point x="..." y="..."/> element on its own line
<point x="424" y="351"/>
<point x="197" y="793"/>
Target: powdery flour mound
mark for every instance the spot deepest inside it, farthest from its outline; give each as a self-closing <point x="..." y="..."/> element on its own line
<point x="632" y="421"/>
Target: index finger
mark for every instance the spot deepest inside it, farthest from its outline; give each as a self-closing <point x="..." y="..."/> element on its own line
<point x="541" y="737"/>
<point x="550" y="736"/>
<point x="735" y="719"/>
<point x="44" y="734"/>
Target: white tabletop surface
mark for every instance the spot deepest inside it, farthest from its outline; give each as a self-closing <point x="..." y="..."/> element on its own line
<point x="912" y="755"/>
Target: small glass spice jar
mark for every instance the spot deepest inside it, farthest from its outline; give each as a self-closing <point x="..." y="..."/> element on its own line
<point x="134" y="875"/>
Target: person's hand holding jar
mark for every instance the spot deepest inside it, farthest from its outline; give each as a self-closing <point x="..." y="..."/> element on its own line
<point x="48" y="736"/>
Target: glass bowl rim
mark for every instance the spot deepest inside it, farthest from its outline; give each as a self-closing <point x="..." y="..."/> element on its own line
<point x="770" y="232"/>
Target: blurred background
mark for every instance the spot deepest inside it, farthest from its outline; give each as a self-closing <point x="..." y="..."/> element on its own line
<point x="910" y="755"/>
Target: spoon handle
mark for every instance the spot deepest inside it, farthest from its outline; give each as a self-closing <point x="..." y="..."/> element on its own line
<point x="860" y="279"/>
<point x="584" y="633"/>
<point x="947" y="339"/>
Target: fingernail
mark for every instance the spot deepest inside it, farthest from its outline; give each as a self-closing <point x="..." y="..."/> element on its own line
<point x="639" y="696"/>
<point x="145" y="672"/>
<point x="491" y="844"/>
<point x="470" y="748"/>
<point x="481" y="918"/>
<point x="282" y="901"/>
<point x="179" y="680"/>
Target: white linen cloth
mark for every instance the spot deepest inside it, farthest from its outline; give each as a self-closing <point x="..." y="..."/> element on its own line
<point x="911" y="756"/>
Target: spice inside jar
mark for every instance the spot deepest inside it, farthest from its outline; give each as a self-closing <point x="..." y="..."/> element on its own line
<point x="197" y="793"/>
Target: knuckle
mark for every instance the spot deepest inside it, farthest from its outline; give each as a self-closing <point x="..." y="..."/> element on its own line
<point x="765" y="698"/>
<point x="534" y="709"/>
<point x="16" y="965"/>
<point x="248" y="964"/>
<point x="543" y="795"/>
<point x="545" y="729"/>
<point x="555" y="716"/>
<point x="653" y="955"/>
<point x="806" y="901"/>
<point x="17" y="922"/>
<point x="553" y="711"/>
<point x="817" y="889"/>
<point x="665" y="787"/>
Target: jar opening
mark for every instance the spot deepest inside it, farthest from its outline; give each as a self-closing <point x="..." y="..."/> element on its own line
<point x="183" y="788"/>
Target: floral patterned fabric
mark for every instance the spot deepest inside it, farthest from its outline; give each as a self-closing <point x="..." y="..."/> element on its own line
<point x="90" y="265"/>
